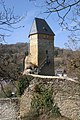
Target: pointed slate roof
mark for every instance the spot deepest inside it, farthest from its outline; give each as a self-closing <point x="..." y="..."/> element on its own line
<point x="40" y="26"/>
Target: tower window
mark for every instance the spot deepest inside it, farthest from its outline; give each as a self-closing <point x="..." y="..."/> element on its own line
<point x="46" y="51"/>
<point x="44" y="29"/>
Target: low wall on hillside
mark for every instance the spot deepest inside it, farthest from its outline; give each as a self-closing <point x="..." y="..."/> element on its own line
<point x="66" y="93"/>
<point x="9" y="108"/>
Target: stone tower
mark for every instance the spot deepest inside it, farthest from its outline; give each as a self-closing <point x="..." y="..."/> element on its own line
<point x="42" y="47"/>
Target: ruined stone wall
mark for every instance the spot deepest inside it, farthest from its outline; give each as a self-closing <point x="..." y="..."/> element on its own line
<point x="66" y="95"/>
<point x="9" y="108"/>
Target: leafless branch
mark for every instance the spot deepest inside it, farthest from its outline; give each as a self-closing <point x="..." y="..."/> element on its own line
<point x="8" y="20"/>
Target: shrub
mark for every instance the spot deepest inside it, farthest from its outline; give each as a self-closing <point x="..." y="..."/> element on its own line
<point x="22" y="84"/>
<point x="6" y="91"/>
<point x="43" y="101"/>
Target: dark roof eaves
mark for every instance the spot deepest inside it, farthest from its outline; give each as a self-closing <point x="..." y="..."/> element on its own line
<point x="41" y="33"/>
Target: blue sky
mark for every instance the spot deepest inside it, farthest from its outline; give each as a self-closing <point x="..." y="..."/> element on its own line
<point x="21" y="7"/>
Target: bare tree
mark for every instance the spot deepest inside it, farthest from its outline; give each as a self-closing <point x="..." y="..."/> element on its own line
<point x="72" y="63"/>
<point x="9" y="70"/>
<point x="7" y="20"/>
<point x="68" y="12"/>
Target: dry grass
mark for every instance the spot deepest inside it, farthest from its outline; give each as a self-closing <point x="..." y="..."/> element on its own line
<point x="47" y="118"/>
<point x="53" y="118"/>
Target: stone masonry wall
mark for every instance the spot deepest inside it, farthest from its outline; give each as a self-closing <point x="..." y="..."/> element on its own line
<point x="44" y="45"/>
<point x="34" y="49"/>
<point x="9" y="108"/>
<point x="66" y="95"/>
<point x="39" y="44"/>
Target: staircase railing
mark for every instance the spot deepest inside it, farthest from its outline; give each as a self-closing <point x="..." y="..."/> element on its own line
<point x="42" y="65"/>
